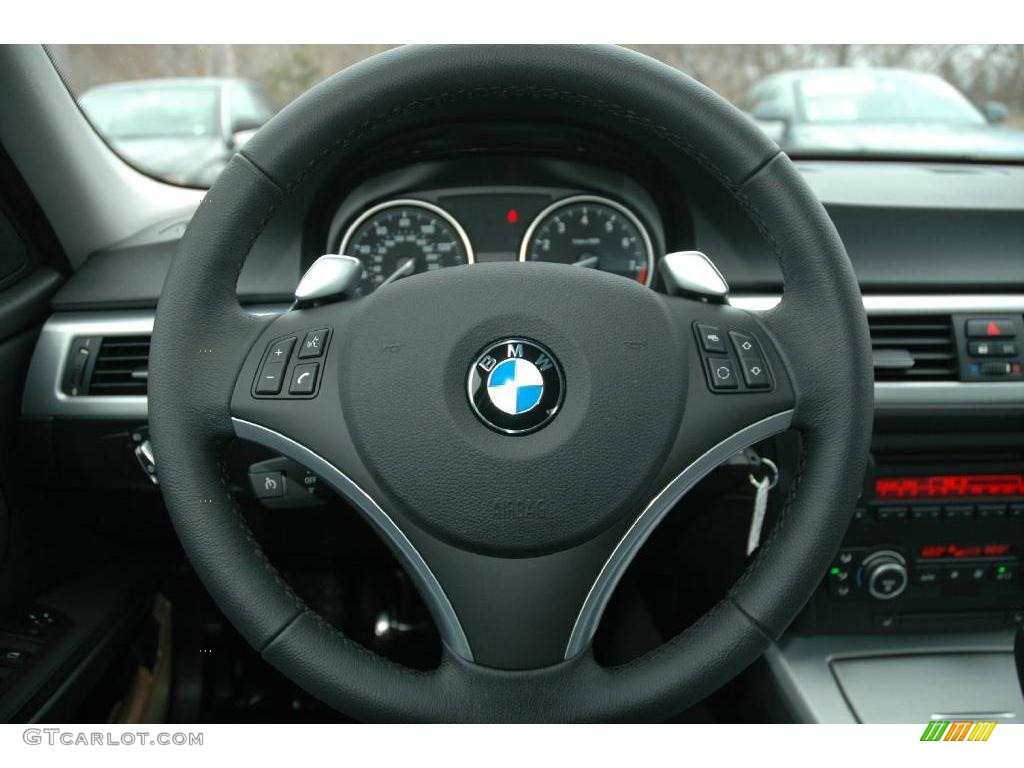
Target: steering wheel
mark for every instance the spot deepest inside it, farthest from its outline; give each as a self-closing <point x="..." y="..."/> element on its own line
<point x="514" y="431"/>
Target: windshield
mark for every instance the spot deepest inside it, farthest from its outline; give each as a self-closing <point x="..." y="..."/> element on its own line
<point x="852" y="97"/>
<point x="178" y="112"/>
<point x="156" y="110"/>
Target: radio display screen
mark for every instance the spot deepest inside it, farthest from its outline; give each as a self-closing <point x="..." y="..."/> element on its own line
<point x="949" y="486"/>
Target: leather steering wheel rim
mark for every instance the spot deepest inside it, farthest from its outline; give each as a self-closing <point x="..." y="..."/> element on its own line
<point x="203" y="344"/>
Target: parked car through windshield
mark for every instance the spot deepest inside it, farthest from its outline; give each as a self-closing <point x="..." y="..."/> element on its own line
<point x="879" y="112"/>
<point x="183" y="130"/>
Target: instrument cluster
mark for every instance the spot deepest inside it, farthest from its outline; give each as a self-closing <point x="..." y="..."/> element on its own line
<point x="405" y="235"/>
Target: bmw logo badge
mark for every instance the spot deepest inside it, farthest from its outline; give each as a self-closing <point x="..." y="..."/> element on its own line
<point x="515" y="386"/>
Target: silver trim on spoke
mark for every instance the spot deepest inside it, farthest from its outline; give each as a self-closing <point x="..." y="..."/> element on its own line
<point x="437" y="601"/>
<point x="615" y="566"/>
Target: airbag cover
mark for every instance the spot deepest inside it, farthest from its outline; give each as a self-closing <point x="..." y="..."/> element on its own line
<point x="404" y="367"/>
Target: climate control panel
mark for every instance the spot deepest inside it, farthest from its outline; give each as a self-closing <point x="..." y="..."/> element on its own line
<point x="886" y="574"/>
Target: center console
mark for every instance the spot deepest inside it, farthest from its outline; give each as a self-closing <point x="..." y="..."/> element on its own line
<point x="915" y="619"/>
<point x="933" y="547"/>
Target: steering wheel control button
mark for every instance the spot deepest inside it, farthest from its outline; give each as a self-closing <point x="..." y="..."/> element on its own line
<point x="281" y="350"/>
<point x="303" y="381"/>
<point x="745" y="345"/>
<point x="710" y="338"/>
<point x="741" y="368"/>
<point x="280" y="365"/>
<point x="270" y="378"/>
<point x="755" y="373"/>
<point x="515" y="386"/>
<point x="267" y="485"/>
<point x="275" y="362"/>
<point x="722" y="373"/>
<point x="314" y="344"/>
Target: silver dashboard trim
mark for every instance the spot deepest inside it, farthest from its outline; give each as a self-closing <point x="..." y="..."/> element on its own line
<point x="437" y="601"/>
<point x="625" y="551"/>
<point x="43" y="396"/>
<point x="928" y="395"/>
<point x="905" y="304"/>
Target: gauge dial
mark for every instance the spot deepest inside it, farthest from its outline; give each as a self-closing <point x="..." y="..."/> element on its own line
<point x="592" y="232"/>
<point x="402" y="237"/>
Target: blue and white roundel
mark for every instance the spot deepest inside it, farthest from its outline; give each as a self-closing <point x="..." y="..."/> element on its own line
<point x="515" y="386"/>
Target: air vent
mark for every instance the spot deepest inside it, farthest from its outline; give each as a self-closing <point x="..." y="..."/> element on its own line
<point x="913" y="348"/>
<point x="122" y="366"/>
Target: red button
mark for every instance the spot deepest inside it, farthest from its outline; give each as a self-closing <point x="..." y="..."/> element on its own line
<point x="990" y="327"/>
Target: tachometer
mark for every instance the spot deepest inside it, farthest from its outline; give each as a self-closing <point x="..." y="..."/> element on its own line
<point x="594" y="232"/>
<point x="401" y="237"/>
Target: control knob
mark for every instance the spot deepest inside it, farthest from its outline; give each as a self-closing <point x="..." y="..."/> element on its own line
<point x="885" y="574"/>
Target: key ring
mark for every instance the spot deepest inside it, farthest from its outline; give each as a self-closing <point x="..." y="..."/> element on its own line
<point x="773" y="473"/>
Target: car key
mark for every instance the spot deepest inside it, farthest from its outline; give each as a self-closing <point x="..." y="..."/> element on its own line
<point x="762" y="486"/>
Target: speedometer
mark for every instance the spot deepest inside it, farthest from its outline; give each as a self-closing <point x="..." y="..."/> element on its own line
<point x="591" y="231"/>
<point x="402" y="237"/>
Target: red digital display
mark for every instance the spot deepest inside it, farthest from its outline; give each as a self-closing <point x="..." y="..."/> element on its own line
<point x="949" y="486"/>
<point x="934" y="551"/>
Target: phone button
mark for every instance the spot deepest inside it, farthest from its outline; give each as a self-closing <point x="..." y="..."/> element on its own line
<point x="304" y="379"/>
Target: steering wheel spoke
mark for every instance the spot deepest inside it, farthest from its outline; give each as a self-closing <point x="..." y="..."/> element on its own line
<point x="737" y="379"/>
<point x="288" y="381"/>
<point x="737" y="392"/>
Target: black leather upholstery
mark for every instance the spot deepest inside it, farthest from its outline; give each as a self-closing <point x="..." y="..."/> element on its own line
<point x="201" y="336"/>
